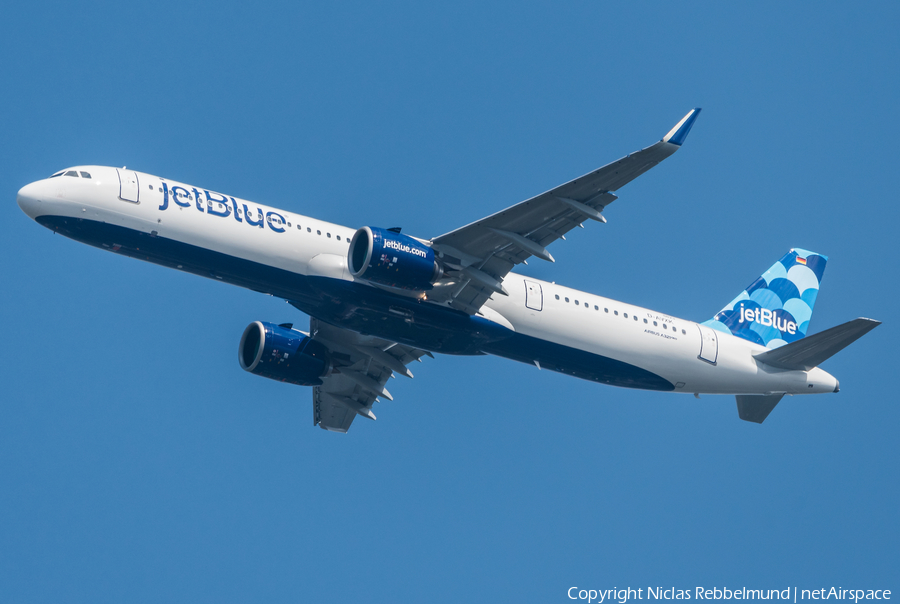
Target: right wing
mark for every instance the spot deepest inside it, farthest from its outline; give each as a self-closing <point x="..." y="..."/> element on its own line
<point x="482" y="253"/>
<point x="361" y="367"/>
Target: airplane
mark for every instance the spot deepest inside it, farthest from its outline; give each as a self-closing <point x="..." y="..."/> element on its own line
<point x="379" y="299"/>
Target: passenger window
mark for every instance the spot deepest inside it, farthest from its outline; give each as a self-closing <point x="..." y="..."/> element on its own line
<point x="329" y="235"/>
<point x="557" y="296"/>
<point x="299" y="228"/>
<point x="576" y="302"/>
<point x="148" y="186"/>
<point x="596" y="307"/>
<point x="586" y="305"/>
<point x="88" y="175"/>
<point x="645" y="320"/>
<point x="606" y="310"/>
<point x="318" y="232"/>
<point x="626" y="315"/>
<point x="683" y="332"/>
<point x="615" y="312"/>
<point x="308" y="230"/>
<point x="567" y="299"/>
<point x="338" y="237"/>
<point x="655" y="324"/>
<point x="664" y="326"/>
<point x="71" y="173"/>
<point x="635" y="317"/>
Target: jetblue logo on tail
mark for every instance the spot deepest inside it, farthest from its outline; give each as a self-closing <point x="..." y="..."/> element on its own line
<point x="776" y="308"/>
<point x="767" y="318"/>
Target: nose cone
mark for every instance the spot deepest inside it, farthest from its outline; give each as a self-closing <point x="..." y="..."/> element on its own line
<point x="29" y="199"/>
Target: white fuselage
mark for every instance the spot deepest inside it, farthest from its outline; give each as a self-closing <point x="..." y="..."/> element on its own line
<point x="671" y="348"/>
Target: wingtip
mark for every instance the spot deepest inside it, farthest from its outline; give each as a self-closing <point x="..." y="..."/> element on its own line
<point x="677" y="134"/>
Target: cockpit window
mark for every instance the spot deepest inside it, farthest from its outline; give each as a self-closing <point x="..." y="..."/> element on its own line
<point x="85" y="174"/>
<point x="60" y="173"/>
<point x="71" y="173"/>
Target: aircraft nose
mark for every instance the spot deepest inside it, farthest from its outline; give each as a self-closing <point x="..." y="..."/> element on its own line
<point x="29" y="199"/>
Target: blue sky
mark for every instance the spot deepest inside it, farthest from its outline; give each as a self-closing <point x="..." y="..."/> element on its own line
<point x="139" y="463"/>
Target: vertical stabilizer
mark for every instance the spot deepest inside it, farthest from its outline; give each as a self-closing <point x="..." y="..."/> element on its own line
<point x="776" y="308"/>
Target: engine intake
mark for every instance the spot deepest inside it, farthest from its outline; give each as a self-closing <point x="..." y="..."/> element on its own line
<point x="388" y="258"/>
<point x="283" y="354"/>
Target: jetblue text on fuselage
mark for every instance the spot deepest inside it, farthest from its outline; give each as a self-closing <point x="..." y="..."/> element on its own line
<point x="216" y="204"/>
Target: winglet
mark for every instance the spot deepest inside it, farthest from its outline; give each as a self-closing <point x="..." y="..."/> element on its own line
<point x="677" y="134"/>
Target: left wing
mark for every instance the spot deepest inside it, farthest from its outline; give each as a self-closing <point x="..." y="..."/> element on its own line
<point x="481" y="254"/>
<point x="361" y="367"/>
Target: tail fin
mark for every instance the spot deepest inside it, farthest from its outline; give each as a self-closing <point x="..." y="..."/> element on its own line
<point x="776" y="308"/>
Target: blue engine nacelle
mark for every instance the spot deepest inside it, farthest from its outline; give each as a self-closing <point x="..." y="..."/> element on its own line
<point x="389" y="258"/>
<point x="283" y="354"/>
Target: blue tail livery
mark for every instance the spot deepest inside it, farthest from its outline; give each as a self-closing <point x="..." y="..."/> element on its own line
<point x="775" y="309"/>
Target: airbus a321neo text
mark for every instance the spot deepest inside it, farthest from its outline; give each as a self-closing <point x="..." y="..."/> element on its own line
<point x="379" y="299"/>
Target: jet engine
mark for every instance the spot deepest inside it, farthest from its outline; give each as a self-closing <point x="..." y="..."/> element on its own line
<point x="388" y="258"/>
<point x="281" y="353"/>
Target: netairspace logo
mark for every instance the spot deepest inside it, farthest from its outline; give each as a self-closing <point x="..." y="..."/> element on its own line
<point x="791" y="594"/>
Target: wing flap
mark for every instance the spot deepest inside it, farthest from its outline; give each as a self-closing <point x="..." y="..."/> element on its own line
<point x="362" y="367"/>
<point x="330" y="414"/>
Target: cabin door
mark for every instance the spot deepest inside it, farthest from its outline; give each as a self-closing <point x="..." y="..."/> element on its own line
<point x="709" y="345"/>
<point x="129" y="188"/>
<point x="534" y="298"/>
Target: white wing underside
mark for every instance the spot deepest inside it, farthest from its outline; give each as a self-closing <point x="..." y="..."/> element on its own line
<point x="362" y="366"/>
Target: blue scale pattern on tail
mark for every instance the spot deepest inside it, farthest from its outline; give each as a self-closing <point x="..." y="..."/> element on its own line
<point x="776" y="308"/>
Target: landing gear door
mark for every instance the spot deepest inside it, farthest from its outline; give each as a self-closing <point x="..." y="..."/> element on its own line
<point x="534" y="297"/>
<point x="129" y="188"/>
<point x="709" y="345"/>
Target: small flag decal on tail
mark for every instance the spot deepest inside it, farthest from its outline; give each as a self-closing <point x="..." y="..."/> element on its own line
<point x="801" y="260"/>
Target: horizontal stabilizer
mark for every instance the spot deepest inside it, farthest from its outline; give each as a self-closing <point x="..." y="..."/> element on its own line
<point x="813" y="350"/>
<point x="755" y="409"/>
